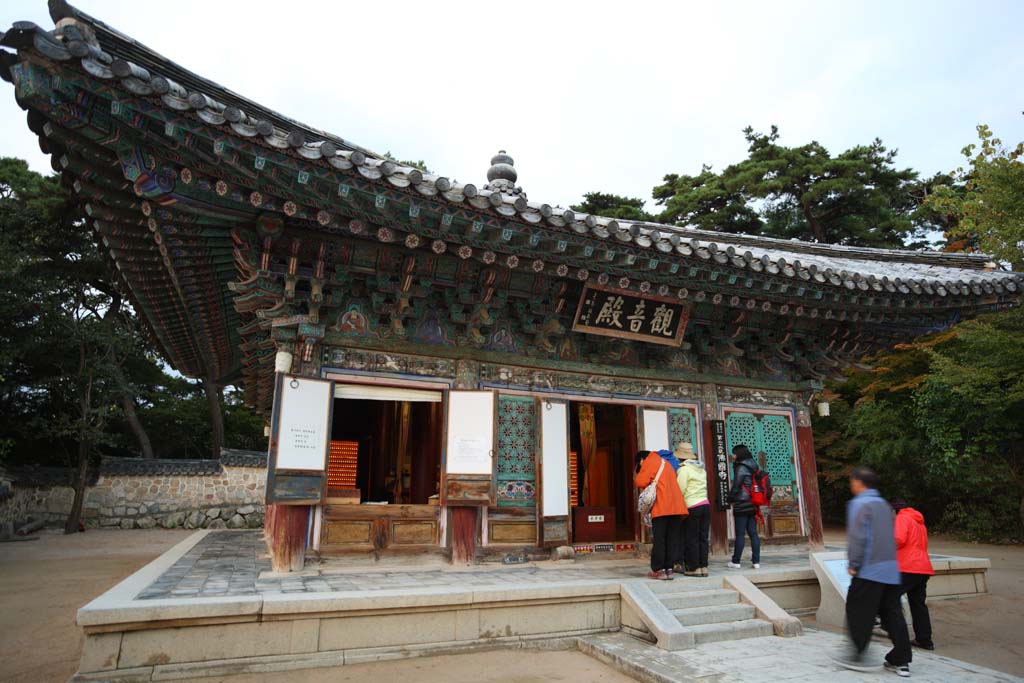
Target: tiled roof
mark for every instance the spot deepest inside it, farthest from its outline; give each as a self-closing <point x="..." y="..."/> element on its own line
<point x="145" y="73"/>
<point x="158" y="467"/>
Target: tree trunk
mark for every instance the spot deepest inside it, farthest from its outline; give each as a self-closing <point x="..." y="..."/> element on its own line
<point x="131" y="415"/>
<point x="816" y="230"/>
<point x="81" y="478"/>
<point x="216" y="416"/>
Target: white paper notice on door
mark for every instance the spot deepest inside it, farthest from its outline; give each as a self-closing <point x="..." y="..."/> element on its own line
<point x="656" y="430"/>
<point x="470" y="441"/>
<point x="303" y="429"/>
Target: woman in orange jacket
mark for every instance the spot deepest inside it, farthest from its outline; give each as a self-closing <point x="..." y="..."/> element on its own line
<point x="667" y="514"/>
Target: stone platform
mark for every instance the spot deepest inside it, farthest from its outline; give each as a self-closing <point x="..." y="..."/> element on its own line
<point x="211" y="606"/>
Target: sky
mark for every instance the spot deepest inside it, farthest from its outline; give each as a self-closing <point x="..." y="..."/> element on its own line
<point x="592" y="96"/>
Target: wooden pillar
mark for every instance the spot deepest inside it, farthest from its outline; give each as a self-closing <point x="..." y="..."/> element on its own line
<point x="463" y="534"/>
<point x="809" y="481"/>
<point x="286" y="528"/>
<point x="719" y="517"/>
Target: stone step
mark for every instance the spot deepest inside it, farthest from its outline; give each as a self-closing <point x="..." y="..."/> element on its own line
<point x="701" y="598"/>
<point x="714" y="614"/>
<point x="645" y="662"/>
<point x="682" y="584"/>
<point x="735" y="630"/>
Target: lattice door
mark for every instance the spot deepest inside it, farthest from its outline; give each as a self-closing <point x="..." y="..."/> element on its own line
<point x="682" y="426"/>
<point x="777" y="445"/>
<point x="515" y="451"/>
<point x="742" y="428"/>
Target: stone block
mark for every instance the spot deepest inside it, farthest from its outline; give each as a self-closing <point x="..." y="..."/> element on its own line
<point x="217" y="524"/>
<point x="254" y="521"/>
<point x="100" y="652"/>
<point x="205" y="643"/>
<point x="520" y="620"/>
<point x="127" y="523"/>
<point x="213" y="513"/>
<point x="119" y="511"/>
<point x="246" y="510"/>
<point x="194" y="520"/>
<point x="175" y="519"/>
<point x="236" y="522"/>
<point x="387" y="629"/>
<point x="145" y="523"/>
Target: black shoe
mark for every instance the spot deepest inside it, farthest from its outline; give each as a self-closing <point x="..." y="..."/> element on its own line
<point x="923" y="646"/>
<point x="901" y="670"/>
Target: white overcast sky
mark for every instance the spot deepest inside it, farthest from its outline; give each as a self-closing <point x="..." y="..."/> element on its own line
<point x="592" y="96"/>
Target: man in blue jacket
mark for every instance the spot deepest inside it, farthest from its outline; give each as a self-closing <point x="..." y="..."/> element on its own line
<point x="875" y="584"/>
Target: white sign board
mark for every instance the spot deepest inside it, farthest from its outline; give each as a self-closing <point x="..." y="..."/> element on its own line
<point x="554" y="459"/>
<point x="656" y="430"/>
<point x="304" y="429"/>
<point x="470" y="432"/>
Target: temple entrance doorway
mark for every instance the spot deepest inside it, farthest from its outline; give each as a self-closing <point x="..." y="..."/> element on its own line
<point x="603" y="443"/>
<point x="384" y="470"/>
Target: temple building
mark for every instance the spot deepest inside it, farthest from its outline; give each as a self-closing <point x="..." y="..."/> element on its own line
<point x="458" y="369"/>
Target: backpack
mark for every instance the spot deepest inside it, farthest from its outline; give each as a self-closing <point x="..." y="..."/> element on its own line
<point x="760" y="488"/>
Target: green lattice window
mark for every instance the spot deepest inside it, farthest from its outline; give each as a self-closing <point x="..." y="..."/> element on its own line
<point x="515" y="452"/>
<point x="768" y="434"/>
<point x="682" y="426"/>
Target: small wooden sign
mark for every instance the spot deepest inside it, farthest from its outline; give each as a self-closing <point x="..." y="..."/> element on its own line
<point x="627" y="315"/>
<point x="721" y="456"/>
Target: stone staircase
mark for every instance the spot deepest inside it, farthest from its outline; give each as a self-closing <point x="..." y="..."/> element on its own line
<point x="711" y="612"/>
<point x="687" y="612"/>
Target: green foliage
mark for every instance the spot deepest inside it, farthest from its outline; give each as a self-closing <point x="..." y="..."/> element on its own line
<point x="942" y="421"/>
<point x="857" y="197"/>
<point x="421" y="164"/>
<point x="72" y="350"/>
<point x="987" y="198"/>
<point x="613" y="206"/>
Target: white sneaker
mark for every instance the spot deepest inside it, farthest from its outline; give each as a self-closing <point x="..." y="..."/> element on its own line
<point x="733" y="565"/>
<point x="757" y="565"/>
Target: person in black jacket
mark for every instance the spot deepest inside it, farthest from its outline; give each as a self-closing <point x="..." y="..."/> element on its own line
<point x="744" y="513"/>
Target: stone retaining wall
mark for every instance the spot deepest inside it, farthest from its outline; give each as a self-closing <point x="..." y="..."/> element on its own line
<point x="142" y="494"/>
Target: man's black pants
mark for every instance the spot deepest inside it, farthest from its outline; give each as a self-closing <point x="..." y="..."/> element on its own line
<point x="864" y="600"/>
<point x="667" y="533"/>
<point x="916" y="588"/>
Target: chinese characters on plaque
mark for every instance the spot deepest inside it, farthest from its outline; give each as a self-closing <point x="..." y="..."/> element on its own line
<point x="721" y="462"/>
<point x="615" y="313"/>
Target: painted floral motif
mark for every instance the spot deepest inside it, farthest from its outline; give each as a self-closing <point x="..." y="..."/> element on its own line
<point x="221" y="187"/>
<point x="290" y="208"/>
<point x="385" y="234"/>
<point x="438" y="246"/>
<point x="256" y="199"/>
<point x="512" y="261"/>
<point x="412" y="241"/>
<point x="186" y="176"/>
<point x="465" y="251"/>
<point x="322" y="217"/>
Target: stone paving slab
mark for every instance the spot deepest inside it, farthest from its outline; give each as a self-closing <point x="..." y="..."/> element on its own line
<point x="809" y="660"/>
<point x="771" y="659"/>
<point x="235" y="563"/>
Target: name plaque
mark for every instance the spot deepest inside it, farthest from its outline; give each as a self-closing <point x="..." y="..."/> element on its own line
<point x="627" y="315"/>
<point x="721" y="456"/>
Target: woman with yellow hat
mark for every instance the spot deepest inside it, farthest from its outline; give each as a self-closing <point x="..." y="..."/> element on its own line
<point x="693" y="483"/>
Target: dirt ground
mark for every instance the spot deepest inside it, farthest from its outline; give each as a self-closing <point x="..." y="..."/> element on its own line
<point x="985" y="630"/>
<point x="44" y="582"/>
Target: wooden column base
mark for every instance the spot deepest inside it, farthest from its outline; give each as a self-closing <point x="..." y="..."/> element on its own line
<point x="809" y="485"/>
<point x="463" y="534"/>
<point x="286" y="528"/>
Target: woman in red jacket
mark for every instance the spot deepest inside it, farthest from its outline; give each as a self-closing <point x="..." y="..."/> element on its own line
<point x="667" y="513"/>
<point x="915" y="569"/>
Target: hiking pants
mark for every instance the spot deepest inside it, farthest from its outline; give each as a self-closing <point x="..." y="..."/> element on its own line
<point x="916" y="588"/>
<point x="864" y="600"/>
<point x="666" y="531"/>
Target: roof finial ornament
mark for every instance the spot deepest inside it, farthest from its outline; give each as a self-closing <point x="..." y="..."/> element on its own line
<point x="501" y="176"/>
